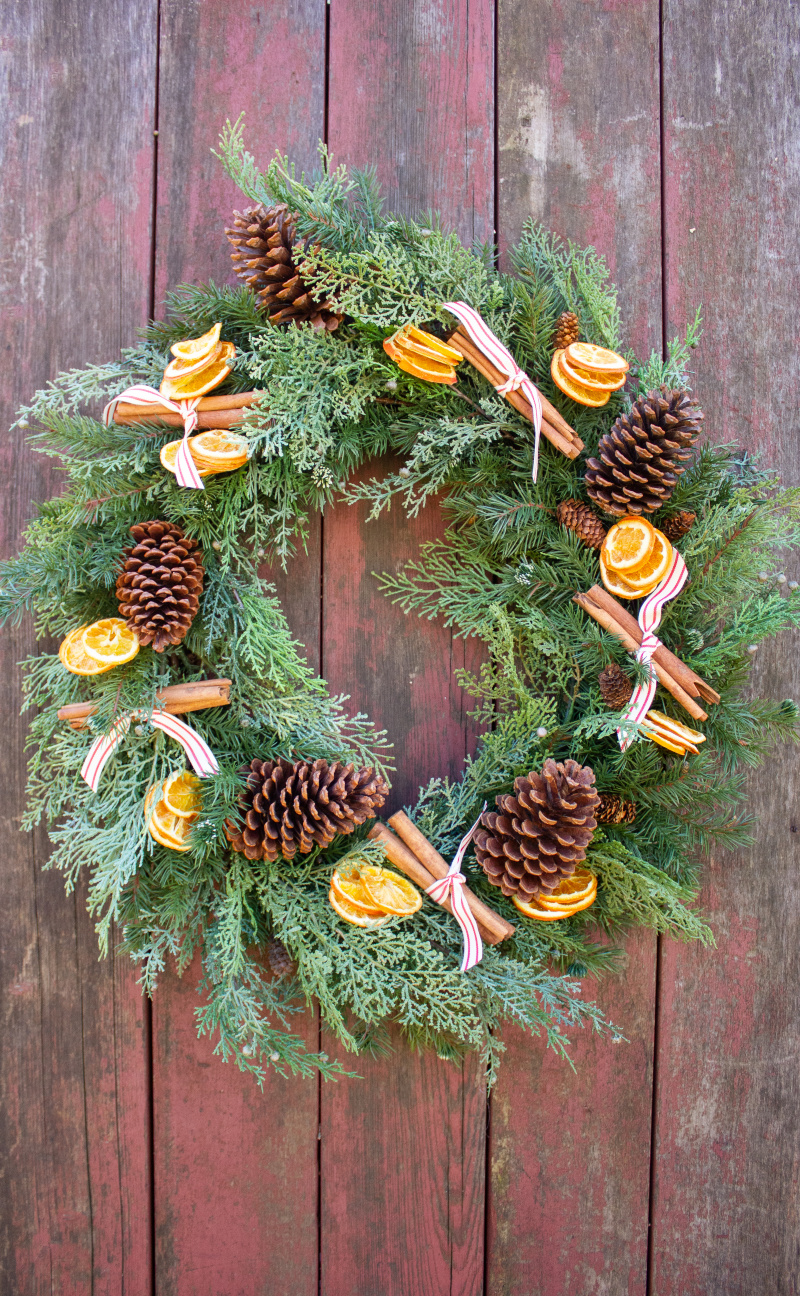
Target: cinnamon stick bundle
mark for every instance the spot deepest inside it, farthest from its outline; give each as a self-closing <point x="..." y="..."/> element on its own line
<point x="684" y="684"/>
<point x="177" y="699"/>
<point x="554" y="426"/>
<point x="212" y="412"/>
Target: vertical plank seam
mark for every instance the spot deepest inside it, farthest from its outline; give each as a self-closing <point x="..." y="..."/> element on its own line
<point x="79" y="970"/>
<point x="149" y="1034"/>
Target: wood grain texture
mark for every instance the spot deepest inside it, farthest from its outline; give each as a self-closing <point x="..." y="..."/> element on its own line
<point x="76" y="146"/>
<point x="236" y="1170"/>
<point x="578" y="137"/>
<point x="726" y="1206"/>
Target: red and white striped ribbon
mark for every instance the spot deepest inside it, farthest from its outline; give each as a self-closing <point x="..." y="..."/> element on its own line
<point x="452" y="886"/>
<point x="649" y="621"/>
<point x="186" y="472"/>
<point x="200" y="754"/>
<point x="502" y="359"/>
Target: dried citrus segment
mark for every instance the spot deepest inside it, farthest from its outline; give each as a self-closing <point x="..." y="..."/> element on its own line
<point x="183" y="368"/>
<point x="532" y="910"/>
<point x="196" y="348"/>
<point x="616" y="584"/>
<point x="430" y="370"/>
<point x="197" y="384"/>
<point x="74" y="657"/>
<point x="575" y="391"/>
<point x="169" y="829"/>
<point x="611" y="382"/>
<point x="671" y="734"/>
<point x="355" y="916"/>
<point x="218" y="446"/>
<point x="570" y="891"/>
<point x="169" y="454"/>
<point x="568" y="907"/>
<point x="349" y="887"/>
<point x="628" y="546"/>
<point x="596" y="359"/>
<point x="111" y="642"/>
<point x="442" y="349"/>
<point x="391" y="892"/>
<point x="181" y="795"/>
<point x="656" y="567"/>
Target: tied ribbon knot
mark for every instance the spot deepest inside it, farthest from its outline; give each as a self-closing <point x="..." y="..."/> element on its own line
<point x="186" y="472"/>
<point x="203" y="760"/>
<point x="451" y="887"/>
<point x="649" y="621"/>
<point x="515" y="378"/>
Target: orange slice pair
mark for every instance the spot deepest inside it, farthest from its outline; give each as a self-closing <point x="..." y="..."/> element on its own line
<point x="673" y="735"/>
<point x="368" y="896"/>
<point x="573" y="894"/>
<point x="423" y="355"/>
<point x="97" y="648"/>
<point x="587" y="373"/>
<point x="635" y="558"/>
<point x="200" y="364"/>
<point x="170" y="820"/>
<point x="215" y="451"/>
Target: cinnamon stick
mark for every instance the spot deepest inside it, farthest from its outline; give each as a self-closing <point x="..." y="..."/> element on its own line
<point x="177" y="699"/>
<point x="435" y="864"/>
<point x="234" y="400"/>
<point x="554" y="426"/>
<point x="608" y="620"/>
<point x="206" y="419"/>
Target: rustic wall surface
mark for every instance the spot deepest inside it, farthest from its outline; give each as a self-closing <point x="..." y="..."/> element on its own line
<point x="667" y="134"/>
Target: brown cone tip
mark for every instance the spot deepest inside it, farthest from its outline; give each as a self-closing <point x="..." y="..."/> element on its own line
<point x="263" y="242"/>
<point x="540" y="832"/>
<point x="567" y="331"/>
<point x="615" y="686"/>
<point x="289" y="807"/>
<point x="583" y="521"/>
<point x="160" y="584"/>
<point x="615" y="809"/>
<point x="640" y="459"/>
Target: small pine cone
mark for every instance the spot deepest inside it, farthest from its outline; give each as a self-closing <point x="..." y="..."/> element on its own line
<point x="263" y="242"/>
<point x="676" y="526"/>
<point x="615" y="809"/>
<point x="640" y="459"/>
<point x="567" y="330"/>
<point x="542" y="829"/>
<point x="160" y="584"/>
<point x="615" y="687"/>
<point x="289" y="807"/>
<point x="280" y="960"/>
<point x="583" y="521"/>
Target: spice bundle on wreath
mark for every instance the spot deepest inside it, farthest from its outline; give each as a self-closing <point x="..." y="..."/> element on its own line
<point x="620" y="573"/>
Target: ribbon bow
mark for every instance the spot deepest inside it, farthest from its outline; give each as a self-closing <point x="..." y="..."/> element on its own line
<point x="649" y="621"/>
<point x="185" y="468"/>
<point x="451" y="887"/>
<point x="502" y="359"/>
<point x="200" y="754"/>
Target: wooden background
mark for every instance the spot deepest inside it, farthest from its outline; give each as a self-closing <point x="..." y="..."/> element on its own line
<point x="666" y="133"/>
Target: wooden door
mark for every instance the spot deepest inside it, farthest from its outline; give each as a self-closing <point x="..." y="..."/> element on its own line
<point x="667" y="135"/>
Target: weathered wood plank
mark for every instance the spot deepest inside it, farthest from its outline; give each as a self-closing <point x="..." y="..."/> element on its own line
<point x="726" y="1197"/>
<point x="578" y="107"/>
<point x="236" y="1170"/>
<point x="402" y="1151"/>
<point x="77" y="95"/>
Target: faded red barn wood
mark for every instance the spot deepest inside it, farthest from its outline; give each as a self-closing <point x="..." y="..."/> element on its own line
<point x="726" y="1198"/>
<point x="75" y="239"/>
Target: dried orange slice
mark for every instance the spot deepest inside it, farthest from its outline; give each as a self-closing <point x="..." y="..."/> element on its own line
<point x="169" y="829"/>
<point x="348" y="885"/>
<point x="169" y="453"/>
<point x="531" y="909"/>
<point x="74" y="657"/>
<point x="611" y="382"/>
<point x="197" y="384"/>
<point x="570" y="891"/>
<point x="443" y="350"/>
<point x="111" y="642"/>
<point x="596" y="360"/>
<point x="617" y="584"/>
<point x="673" y="735"/>
<point x="183" y="368"/>
<point x="567" y="910"/>
<point x="390" y="892"/>
<point x="628" y="546"/>
<point x="181" y="795"/>
<point x="655" y="569"/>
<point x="576" y="391"/>
<point x="219" y="446"/>
<point x="197" y="348"/>
<point x="435" y="371"/>
<point x="357" y="917"/>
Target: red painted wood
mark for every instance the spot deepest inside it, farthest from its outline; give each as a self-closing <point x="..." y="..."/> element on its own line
<point x="579" y="151"/>
<point x="726" y="1194"/>
<point x="74" y="261"/>
<point x="236" y="1170"/>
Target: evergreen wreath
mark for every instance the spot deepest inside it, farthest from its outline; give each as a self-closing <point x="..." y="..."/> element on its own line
<point x="506" y="573"/>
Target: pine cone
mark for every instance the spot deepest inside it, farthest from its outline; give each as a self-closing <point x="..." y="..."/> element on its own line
<point x="160" y="583"/>
<point x="263" y="243"/>
<point x="280" y="960"/>
<point x="615" y="809"/>
<point x="640" y="457"/>
<point x="615" y="687"/>
<point x="292" y="807"/>
<point x="583" y="521"/>
<point x="541" y="832"/>
<point x="676" y="526"/>
<point x="567" y="331"/>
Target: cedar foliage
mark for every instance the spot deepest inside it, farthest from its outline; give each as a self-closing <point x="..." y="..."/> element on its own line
<point x="505" y="572"/>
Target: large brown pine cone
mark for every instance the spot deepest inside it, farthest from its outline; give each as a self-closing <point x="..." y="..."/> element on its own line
<point x="289" y="807"/>
<point x="583" y="521"/>
<point x="540" y="832"/>
<point x="263" y="242"/>
<point x="160" y="584"/>
<point x="640" y="459"/>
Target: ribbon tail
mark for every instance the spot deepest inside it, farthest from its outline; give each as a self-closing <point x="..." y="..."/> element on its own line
<point x="203" y="760"/>
<point x="101" y="751"/>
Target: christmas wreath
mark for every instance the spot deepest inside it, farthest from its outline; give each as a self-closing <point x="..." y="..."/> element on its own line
<point x="585" y="811"/>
